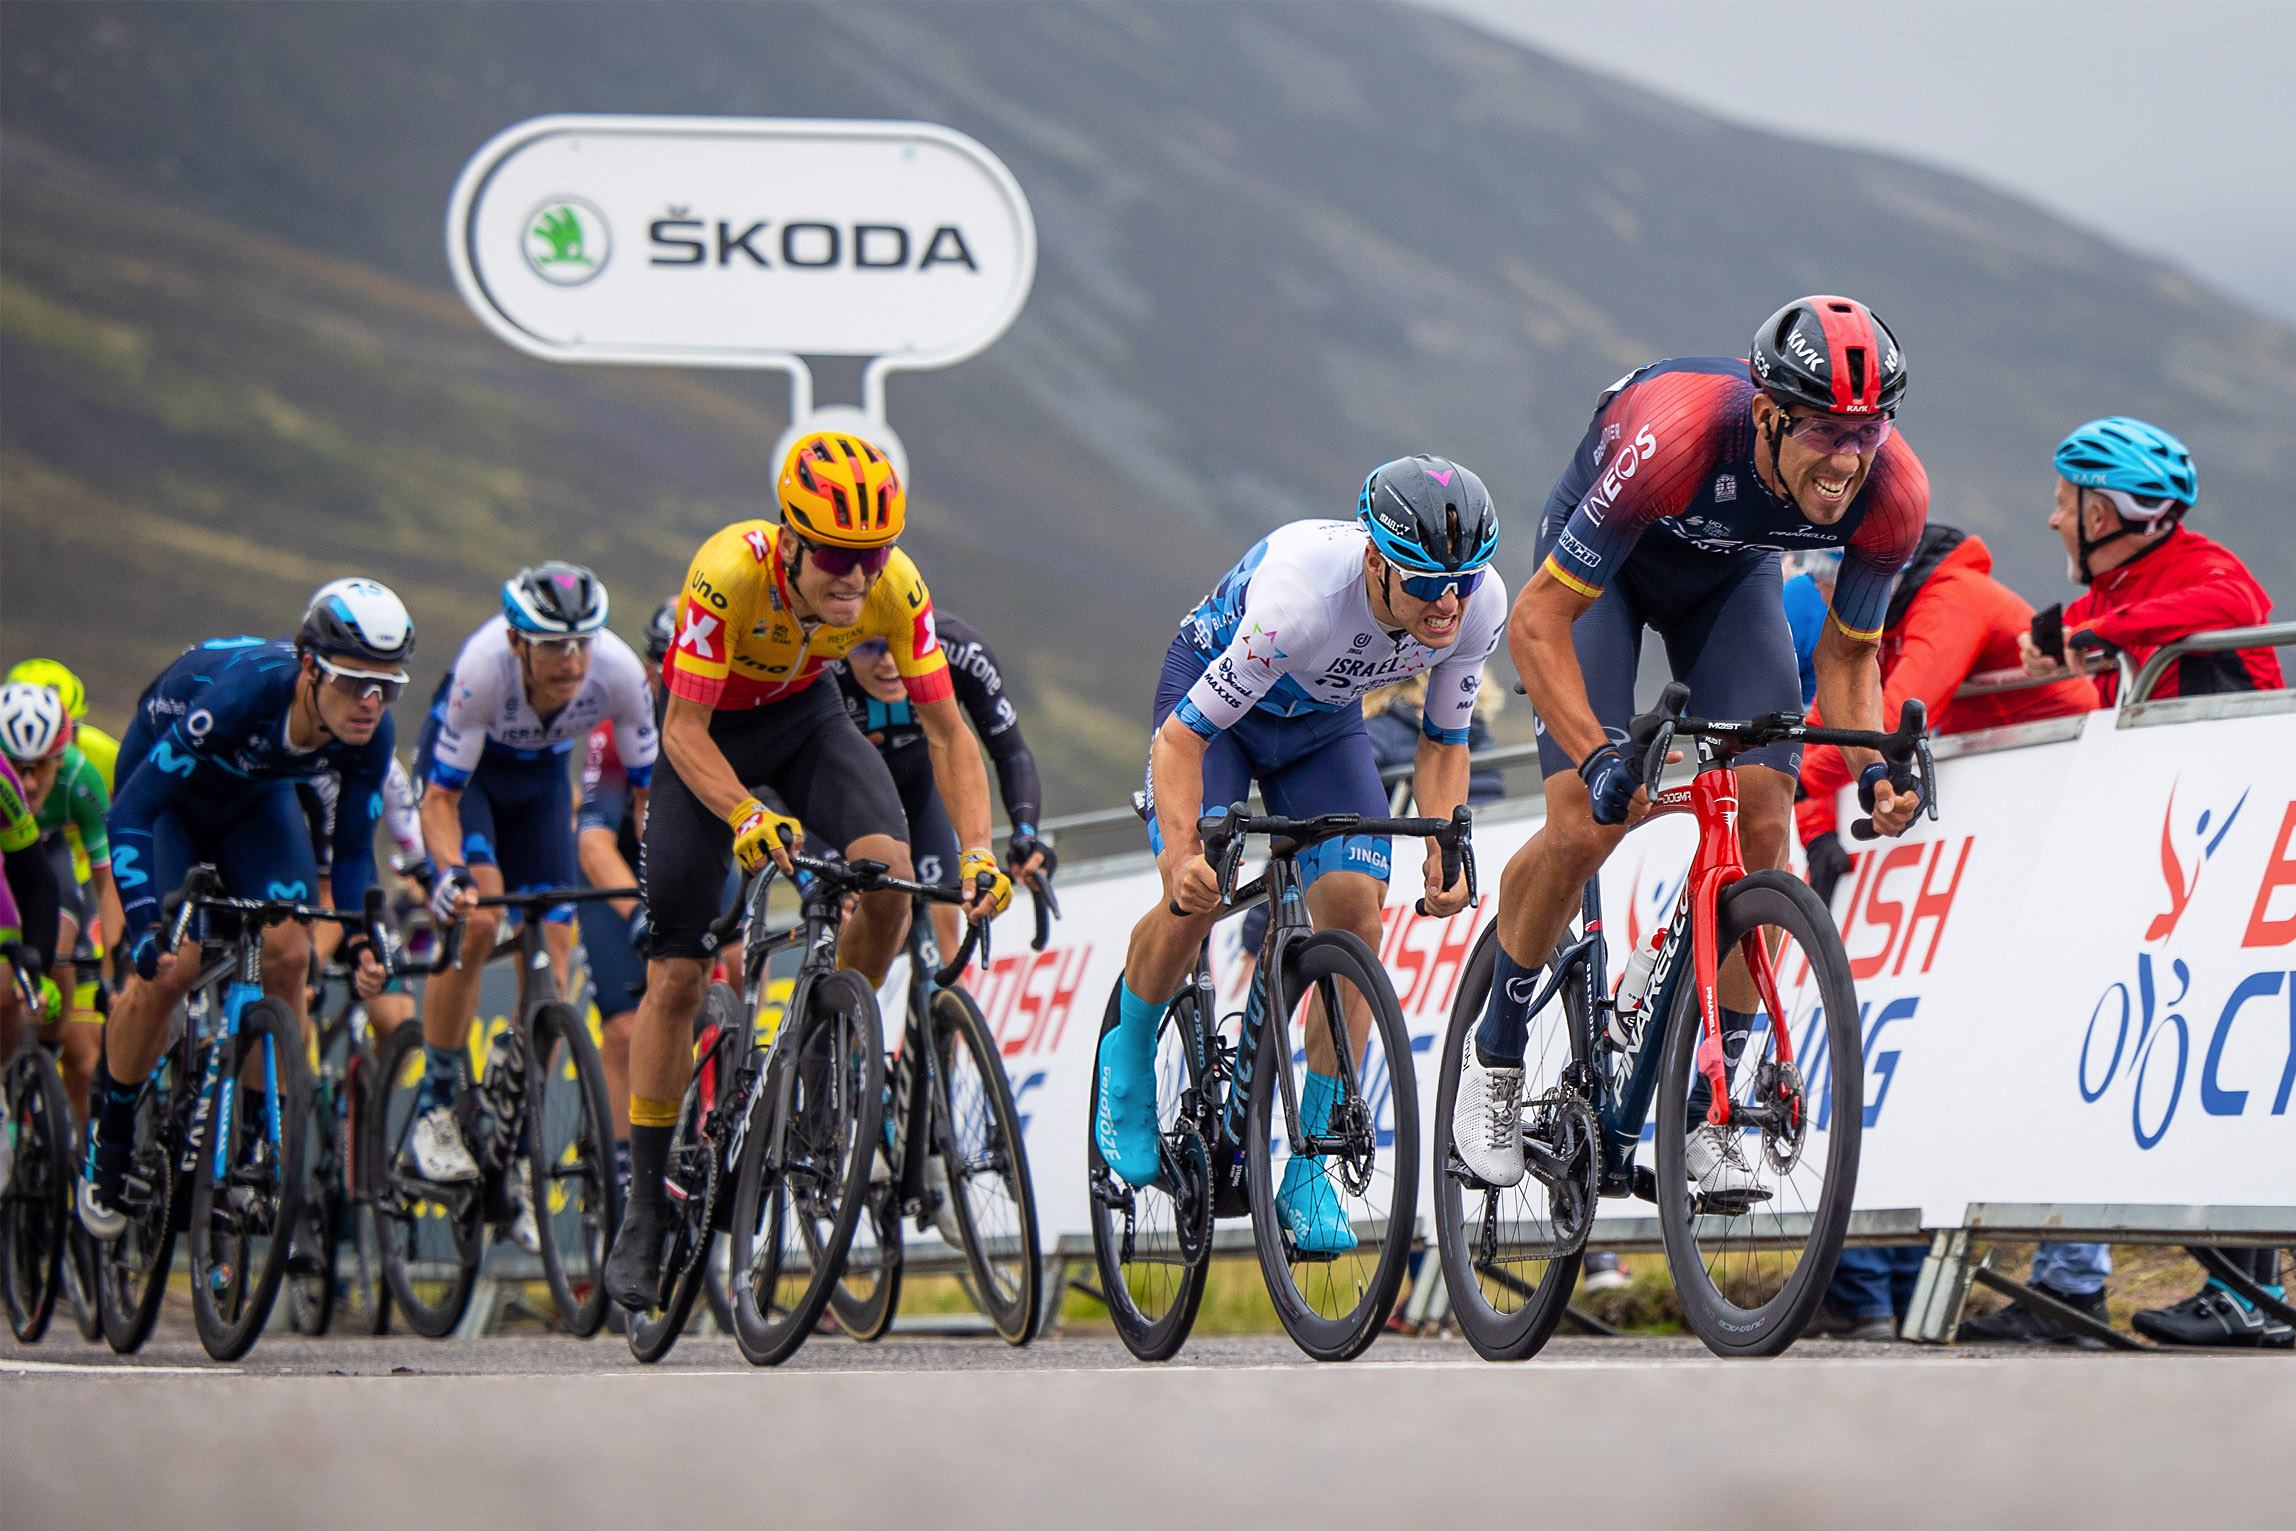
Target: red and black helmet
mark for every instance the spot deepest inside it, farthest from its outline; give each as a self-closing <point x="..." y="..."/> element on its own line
<point x="1829" y="354"/>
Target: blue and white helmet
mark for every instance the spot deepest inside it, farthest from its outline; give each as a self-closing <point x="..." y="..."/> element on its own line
<point x="2144" y="470"/>
<point x="554" y="600"/>
<point x="358" y="619"/>
<point x="1428" y="515"/>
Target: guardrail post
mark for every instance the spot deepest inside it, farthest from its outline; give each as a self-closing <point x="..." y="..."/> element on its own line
<point x="1941" y="1289"/>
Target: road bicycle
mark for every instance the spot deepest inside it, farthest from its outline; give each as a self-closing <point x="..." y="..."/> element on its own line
<point x="965" y="1174"/>
<point x="335" y="1267"/>
<point x="36" y="1210"/>
<point x="1786" y="1095"/>
<point x="224" y="1114"/>
<point x="538" y="1124"/>
<point x="1234" y="1135"/>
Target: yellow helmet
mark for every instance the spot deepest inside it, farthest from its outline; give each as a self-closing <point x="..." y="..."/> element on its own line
<point x="52" y="674"/>
<point x="838" y="490"/>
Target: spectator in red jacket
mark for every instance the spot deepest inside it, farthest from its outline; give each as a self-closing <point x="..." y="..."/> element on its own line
<point x="2123" y="489"/>
<point x="1948" y="619"/>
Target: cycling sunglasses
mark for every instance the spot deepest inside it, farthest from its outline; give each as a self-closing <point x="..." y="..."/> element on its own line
<point x="1831" y="434"/>
<point x="1430" y="587"/>
<point x="358" y="685"/>
<point x="869" y="650"/>
<point x="561" y="648"/>
<point x="839" y="562"/>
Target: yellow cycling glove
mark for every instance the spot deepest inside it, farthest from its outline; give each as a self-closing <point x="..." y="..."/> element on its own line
<point x="969" y="869"/>
<point x="756" y="829"/>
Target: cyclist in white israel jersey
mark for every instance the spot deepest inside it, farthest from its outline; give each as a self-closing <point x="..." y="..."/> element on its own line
<point x="1265" y="683"/>
<point x="498" y="800"/>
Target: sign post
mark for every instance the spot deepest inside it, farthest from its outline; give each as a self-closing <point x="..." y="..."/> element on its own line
<point x="744" y="242"/>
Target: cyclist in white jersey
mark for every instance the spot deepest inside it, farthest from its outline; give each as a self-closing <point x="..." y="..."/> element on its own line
<point x="1265" y="682"/>
<point x="498" y="805"/>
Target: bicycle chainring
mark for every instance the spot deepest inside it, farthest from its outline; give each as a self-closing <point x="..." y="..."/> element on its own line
<point x="1779" y="1086"/>
<point x="1561" y="1122"/>
<point x="1188" y="1176"/>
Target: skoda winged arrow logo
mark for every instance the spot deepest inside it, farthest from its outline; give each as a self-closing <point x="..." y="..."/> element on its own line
<point x="567" y="241"/>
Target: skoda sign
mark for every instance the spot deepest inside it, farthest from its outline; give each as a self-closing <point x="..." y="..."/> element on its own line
<point x="740" y="242"/>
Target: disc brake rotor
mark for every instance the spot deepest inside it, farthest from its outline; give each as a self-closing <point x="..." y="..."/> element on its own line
<point x="1351" y="1119"/>
<point x="1779" y="1085"/>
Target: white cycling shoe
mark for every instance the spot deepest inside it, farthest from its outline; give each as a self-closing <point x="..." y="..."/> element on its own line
<point x="945" y="1208"/>
<point x="436" y="1150"/>
<point x="102" y="1222"/>
<point x="1487" y="1119"/>
<point x="1718" y="1166"/>
<point x="525" y="1232"/>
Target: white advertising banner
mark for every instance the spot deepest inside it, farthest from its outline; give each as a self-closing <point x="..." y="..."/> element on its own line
<point x="2078" y="987"/>
<point x="737" y="242"/>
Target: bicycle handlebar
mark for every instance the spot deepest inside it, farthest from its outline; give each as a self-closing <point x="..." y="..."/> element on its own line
<point x="1224" y="834"/>
<point x="28" y="969"/>
<point x="1905" y="749"/>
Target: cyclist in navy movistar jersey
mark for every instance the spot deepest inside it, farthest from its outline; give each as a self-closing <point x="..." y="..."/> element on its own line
<point x="1265" y="682"/>
<point x="498" y="801"/>
<point x="878" y="703"/>
<point x="207" y="773"/>
<point x="1692" y="476"/>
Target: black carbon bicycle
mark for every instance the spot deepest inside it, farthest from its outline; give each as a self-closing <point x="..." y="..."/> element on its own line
<point x="1235" y="1137"/>
<point x="36" y="1221"/>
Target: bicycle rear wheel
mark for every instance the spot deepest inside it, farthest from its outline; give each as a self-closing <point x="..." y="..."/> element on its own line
<point x="247" y="1188"/>
<point x="428" y="1235"/>
<point x="1511" y="1253"/>
<point x="1153" y="1243"/>
<point x="36" y="1213"/>
<point x="868" y="1290"/>
<point x="805" y="1167"/>
<point x="363" y="1297"/>
<point x="313" y="1262"/>
<point x="133" y="1269"/>
<point x="1751" y="1265"/>
<point x="977" y="1132"/>
<point x="1334" y="1228"/>
<point x="576" y="1196"/>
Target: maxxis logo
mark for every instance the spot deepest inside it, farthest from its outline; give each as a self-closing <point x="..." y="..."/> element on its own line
<point x="567" y="241"/>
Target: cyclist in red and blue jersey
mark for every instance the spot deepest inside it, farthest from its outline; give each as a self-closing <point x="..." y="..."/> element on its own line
<point x="1692" y="477"/>
<point x="207" y="773"/>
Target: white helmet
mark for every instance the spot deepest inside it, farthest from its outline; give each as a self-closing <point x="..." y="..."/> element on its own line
<point x="33" y="723"/>
<point x="358" y="619"/>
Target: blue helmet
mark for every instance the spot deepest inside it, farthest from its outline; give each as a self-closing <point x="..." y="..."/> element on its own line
<point x="1428" y="515"/>
<point x="2124" y="456"/>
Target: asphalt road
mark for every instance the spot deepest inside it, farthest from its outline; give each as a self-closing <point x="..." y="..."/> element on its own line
<point x="947" y="1433"/>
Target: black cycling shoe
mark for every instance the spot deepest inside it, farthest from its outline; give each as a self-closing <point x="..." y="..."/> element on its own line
<point x="2018" y="1324"/>
<point x="633" y="1272"/>
<point x="2210" y="1316"/>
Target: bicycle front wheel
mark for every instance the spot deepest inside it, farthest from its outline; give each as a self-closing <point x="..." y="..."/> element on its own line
<point x="36" y="1212"/>
<point x="1332" y="1159"/>
<point x="1511" y="1253"/>
<point x="805" y="1168"/>
<point x="575" y="1194"/>
<point x="1753" y="1212"/>
<point x="984" y="1166"/>
<point x="132" y="1270"/>
<point x="1153" y="1243"/>
<point x="247" y="1190"/>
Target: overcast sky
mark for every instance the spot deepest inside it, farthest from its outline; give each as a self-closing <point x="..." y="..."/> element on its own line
<point x="2169" y="125"/>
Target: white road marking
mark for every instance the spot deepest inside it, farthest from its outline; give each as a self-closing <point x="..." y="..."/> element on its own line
<point x="120" y="1369"/>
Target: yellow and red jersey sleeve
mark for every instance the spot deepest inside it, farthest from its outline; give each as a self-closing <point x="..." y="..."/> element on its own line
<point x="900" y="610"/>
<point x="715" y="609"/>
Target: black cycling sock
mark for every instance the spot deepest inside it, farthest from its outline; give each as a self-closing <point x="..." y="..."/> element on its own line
<point x="1735" y="1026"/>
<point x="115" y="1113"/>
<point x="649" y="1163"/>
<point x="1506" y="1029"/>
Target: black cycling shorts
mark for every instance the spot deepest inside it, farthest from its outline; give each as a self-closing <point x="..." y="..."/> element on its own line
<point x="804" y="753"/>
<point x="933" y="848"/>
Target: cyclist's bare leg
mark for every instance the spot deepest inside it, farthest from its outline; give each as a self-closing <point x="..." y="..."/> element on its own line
<point x="1343" y="901"/>
<point x="1163" y="950"/>
<point x="662" y="1039"/>
<point x="287" y="966"/>
<point x="558" y="940"/>
<point x="77" y="1049"/>
<point x="880" y="921"/>
<point x="946" y="935"/>
<point x="1544" y="881"/>
<point x="1765" y="820"/>
<point x="450" y="999"/>
<point x="386" y="1013"/>
<point x="614" y="1034"/>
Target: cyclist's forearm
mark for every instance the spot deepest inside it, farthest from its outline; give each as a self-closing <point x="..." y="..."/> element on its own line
<point x="1438" y="779"/>
<point x="442" y="825"/>
<point x="600" y="858"/>
<point x="1176" y="770"/>
<point x="1539" y="641"/>
<point x="1849" y="689"/>
<point x="957" y="771"/>
<point x="694" y="755"/>
<point x="114" y="918"/>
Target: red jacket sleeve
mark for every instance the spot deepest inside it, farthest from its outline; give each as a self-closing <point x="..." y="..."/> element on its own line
<point x="2218" y="596"/>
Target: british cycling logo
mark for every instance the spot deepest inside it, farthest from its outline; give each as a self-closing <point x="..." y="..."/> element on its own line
<point x="2138" y="1029"/>
<point x="567" y="241"/>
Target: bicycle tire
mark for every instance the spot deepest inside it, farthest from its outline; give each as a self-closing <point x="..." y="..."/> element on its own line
<point x="1495" y="1334"/>
<point x="313" y="1258"/>
<point x="653" y="1335"/>
<point x="1007" y="1271"/>
<point x="1314" y="960"/>
<point x="132" y="1275"/>
<point x="866" y="1315"/>
<point x="1170" y="1279"/>
<point x="363" y="1300"/>
<point x="585" y="1166"/>
<point x="36" y="1214"/>
<point x="832" y="1078"/>
<point x="1756" y="901"/>
<point x="429" y="1249"/>
<point x="231" y="1298"/>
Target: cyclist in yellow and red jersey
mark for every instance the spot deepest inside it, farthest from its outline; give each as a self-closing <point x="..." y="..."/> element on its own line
<point x="765" y="610"/>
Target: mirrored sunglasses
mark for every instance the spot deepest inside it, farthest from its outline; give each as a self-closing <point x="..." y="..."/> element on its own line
<point x="1830" y="434"/>
<point x="359" y="685"/>
<point x="1430" y="587"/>
<point x="839" y="562"/>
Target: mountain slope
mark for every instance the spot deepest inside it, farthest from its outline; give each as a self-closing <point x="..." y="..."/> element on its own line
<point x="1279" y="244"/>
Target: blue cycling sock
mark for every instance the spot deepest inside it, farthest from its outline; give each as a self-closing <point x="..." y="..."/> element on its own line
<point x="1315" y="1103"/>
<point x="1136" y="1020"/>
<point x="440" y="1076"/>
<point x="1506" y="1028"/>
